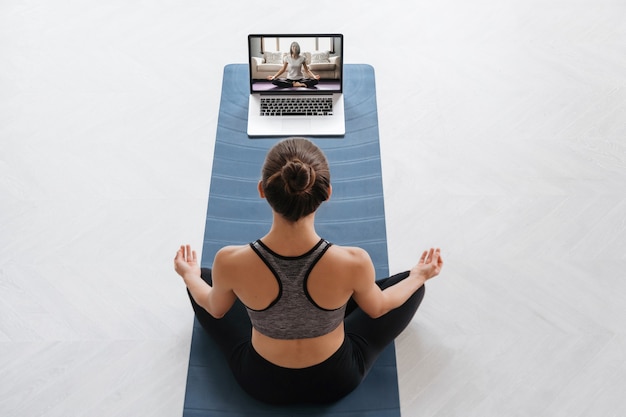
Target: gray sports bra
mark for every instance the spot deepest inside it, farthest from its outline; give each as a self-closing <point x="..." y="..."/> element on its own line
<point x="294" y="314"/>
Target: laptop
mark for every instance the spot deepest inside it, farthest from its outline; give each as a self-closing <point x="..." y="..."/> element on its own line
<point x="295" y="102"/>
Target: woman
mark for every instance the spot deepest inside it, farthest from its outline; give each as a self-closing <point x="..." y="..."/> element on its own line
<point x="295" y="65"/>
<point x="300" y="320"/>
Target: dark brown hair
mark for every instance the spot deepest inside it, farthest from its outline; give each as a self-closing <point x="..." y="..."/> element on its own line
<point x="295" y="178"/>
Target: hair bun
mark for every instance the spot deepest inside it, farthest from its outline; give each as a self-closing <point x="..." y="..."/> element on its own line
<point x="298" y="176"/>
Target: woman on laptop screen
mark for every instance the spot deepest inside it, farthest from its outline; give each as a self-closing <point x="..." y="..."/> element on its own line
<point x="295" y="65"/>
<point x="300" y="320"/>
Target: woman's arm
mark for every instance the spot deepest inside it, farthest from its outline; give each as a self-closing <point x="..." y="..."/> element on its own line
<point x="376" y="302"/>
<point x="216" y="299"/>
<point x="308" y="71"/>
<point x="273" y="77"/>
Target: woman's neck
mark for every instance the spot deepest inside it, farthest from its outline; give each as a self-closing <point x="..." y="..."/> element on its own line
<point x="292" y="238"/>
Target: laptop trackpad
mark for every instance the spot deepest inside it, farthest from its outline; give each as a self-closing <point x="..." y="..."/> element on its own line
<point x="296" y="126"/>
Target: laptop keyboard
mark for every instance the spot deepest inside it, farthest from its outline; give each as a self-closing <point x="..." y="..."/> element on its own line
<point x="296" y="106"/>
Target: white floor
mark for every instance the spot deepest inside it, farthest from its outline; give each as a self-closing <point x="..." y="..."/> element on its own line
<point x="503" y="135"/>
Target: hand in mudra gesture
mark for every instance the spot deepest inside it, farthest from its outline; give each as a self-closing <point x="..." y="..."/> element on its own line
<point x="186" y="261"/>
<point x="429" y="265"/>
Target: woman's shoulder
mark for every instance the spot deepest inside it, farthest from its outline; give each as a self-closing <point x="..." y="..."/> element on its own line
<point x="351" y="256"/>
<point x="346" y="263"/>
<point x="233" y="254"/>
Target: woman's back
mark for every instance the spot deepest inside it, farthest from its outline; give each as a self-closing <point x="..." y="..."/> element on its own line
<point x="329" y="285"/>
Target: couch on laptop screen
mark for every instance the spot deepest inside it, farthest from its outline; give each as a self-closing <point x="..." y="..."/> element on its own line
<point x="320" y="62"/>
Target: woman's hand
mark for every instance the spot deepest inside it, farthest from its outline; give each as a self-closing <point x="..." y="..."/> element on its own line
<point x="270" y="77"/>
<point x="186" y="261"/>
<point x="429" y="265"/>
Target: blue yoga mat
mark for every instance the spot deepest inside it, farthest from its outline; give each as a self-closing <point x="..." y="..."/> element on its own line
<point x="354" y="216"/>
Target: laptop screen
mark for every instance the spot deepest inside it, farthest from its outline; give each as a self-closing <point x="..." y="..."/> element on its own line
<point x="311" y="63"/>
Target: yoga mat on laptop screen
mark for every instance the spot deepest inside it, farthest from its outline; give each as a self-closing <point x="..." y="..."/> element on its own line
<point x="354" y="216"/>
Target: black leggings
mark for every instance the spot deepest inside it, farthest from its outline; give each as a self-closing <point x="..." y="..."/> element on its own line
<point x="328" y="381"/>
<point x="286" y="83"/>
